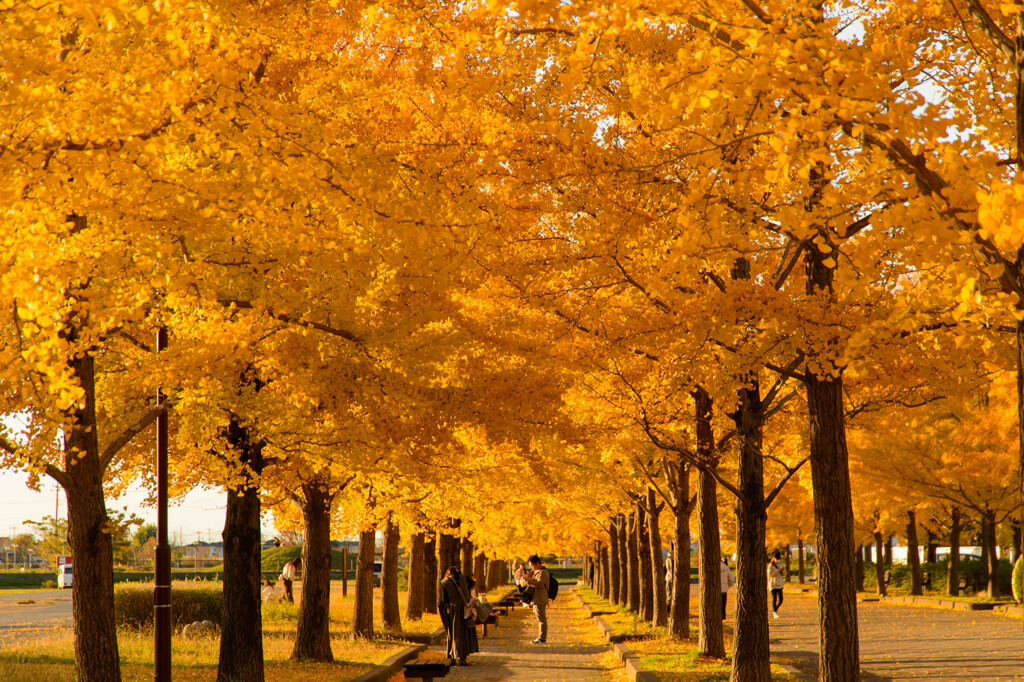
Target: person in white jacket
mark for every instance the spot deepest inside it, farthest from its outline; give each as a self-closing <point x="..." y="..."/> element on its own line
<point x="728" y="580"/>
<point x="776" y="580"/>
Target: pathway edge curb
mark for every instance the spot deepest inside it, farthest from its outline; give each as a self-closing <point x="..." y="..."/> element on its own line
<point x="630" y="660"/>
<point x="382" y="671"/>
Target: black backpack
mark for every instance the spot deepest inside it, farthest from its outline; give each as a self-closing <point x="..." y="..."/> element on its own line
<point x="552" y="587"/>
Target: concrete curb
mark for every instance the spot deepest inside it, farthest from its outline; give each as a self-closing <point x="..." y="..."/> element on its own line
<point x="1006" y="609"/>
<point x="631" y="661"/>
<point x="381" y="672"/>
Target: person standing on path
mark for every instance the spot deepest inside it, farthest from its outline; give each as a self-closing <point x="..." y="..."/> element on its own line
<point x="728" y="580"/>
<point x="539" y="579"/>
<point x="1017" y="579"/>
<point x="288" y="574"/>
<point x="459" y="626"/>
<point x="776" y="580"/>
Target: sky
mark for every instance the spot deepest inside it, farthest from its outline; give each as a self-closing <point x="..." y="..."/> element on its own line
<point x="198" y="516"/>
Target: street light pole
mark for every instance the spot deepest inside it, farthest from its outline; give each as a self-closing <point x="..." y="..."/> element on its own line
<point x="162" y="593"/>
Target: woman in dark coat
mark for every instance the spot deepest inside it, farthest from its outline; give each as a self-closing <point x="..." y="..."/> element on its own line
<point x="461" y="631"/>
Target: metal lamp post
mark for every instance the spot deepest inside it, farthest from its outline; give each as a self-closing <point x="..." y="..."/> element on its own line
<point x="162" y="593"/>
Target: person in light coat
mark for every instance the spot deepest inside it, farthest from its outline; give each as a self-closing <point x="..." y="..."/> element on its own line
<point x="539" y="579"/>
<point x="1017" y="579"/>
<point x="728" y="580"/>
<point x="776" y="580"/>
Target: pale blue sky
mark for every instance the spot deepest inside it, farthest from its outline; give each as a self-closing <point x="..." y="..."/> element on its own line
<point x="200" y="515"/>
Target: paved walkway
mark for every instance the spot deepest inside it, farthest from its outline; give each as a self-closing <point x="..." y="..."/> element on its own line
<point x="574" y="650"/>
<point x="902" y="642"/>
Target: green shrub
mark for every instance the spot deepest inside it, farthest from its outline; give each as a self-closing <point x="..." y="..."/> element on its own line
<point x="133" y="605"/>
<point x="49" y="584"/>
<point x="972" y="576"/>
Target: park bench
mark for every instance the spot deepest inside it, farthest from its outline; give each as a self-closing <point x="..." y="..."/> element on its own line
<point x="491" y="620"/>
<point x="425" y="671"/>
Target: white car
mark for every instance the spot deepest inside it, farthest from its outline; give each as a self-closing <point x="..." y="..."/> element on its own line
<point x="64" y="576"/>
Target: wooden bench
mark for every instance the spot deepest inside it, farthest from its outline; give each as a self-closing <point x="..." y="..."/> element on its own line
<point x="491" y="620"/>
<point x="425" y="671"/>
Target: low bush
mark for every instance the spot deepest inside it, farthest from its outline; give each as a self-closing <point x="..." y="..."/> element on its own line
<point x="133" y="605"/>
<point x="972" y="576"/>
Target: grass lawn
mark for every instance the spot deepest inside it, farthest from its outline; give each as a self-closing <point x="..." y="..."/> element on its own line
<point x="49" y="656"/>
<point x="673" y="660"/>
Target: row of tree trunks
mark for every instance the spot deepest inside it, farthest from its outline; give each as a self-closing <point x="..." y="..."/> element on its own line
<point x="391" y="620"/>
<point x="710" y="637"/>
<point x="241" y="635"/>
<point x="678" y="478"/>
<point x="643" y="549"/>
<point x="92" y="591"/>
<point x="312" y="634"/>
<point x="879" y="564"/>
<point x="430" y="579"/>
<point x="614" y="580"/>
<point x="913" y="558"/>
<point x="750" y="662"/>
<point x="633" y="563"/>
<point x="833" y="504"/>
<point x="417" y="573"/>
<point x="362" y="612"/>
<point x="657" y="558"/>
<point x="605" y="565"/>
<point x="953" y="565"/>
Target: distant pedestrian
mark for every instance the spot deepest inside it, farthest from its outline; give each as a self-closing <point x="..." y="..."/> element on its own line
<point x="459" y="626"/>
<point x="288" y="574"/>
<point x="539" y="579"/>
<point x="776" y="580"/>
<point x="1017" y="580"/>
<point x="269" y="592"/>
<point x="669" y="576"/>
<point x="728" y="580"/>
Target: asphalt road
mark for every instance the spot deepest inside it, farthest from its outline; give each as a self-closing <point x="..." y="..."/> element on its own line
<point x="904" y="642"/>
<point x="40" y="612"/>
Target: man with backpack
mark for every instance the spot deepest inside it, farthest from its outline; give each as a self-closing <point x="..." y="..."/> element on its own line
<point x="540" y="580"/>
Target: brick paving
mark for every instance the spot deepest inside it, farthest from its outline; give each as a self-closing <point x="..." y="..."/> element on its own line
<point x="903" y="642"/>
<point x="573" y="650"/>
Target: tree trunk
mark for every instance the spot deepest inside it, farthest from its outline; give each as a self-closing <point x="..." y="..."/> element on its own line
<point x="710" y="641"/>
<point x="800" y="560"/>
<point x="634" y="562"/>
<point x="931" y="544"/>
<point x="988" y="538"/>
<point x="605" y="561"/>
<point x="92" y="590"/>
<point x="750" y="654"/>
<point x="859" y="565"/>
<point x="312" y="634"/>
<point x="390" y="619"/>
<point x="241" y="634"/>
<point x="467" y="557"/>
<point x="430" y="559"/>
<point x="879" y="564"/>
<point x="1017" y="539"/>
<point x="414" y="604"/>
<point x="447" y="556"/>
<point x="643" y="548"/>
<point x="839" y="659"/>
<point x="710" y="637"/>
<point x="430" y="581"/>
<point x="615" y="563"/>
<point x="480" y="571"/>
<point x="679" y="611"/>
<point x="362" y="611"/>
<point x="657" y="559"/>
<point x="913" y="558"/>
<point x="623" y="525"/>
<point x="888" y="551"/>
<point x="953" y="565"/>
